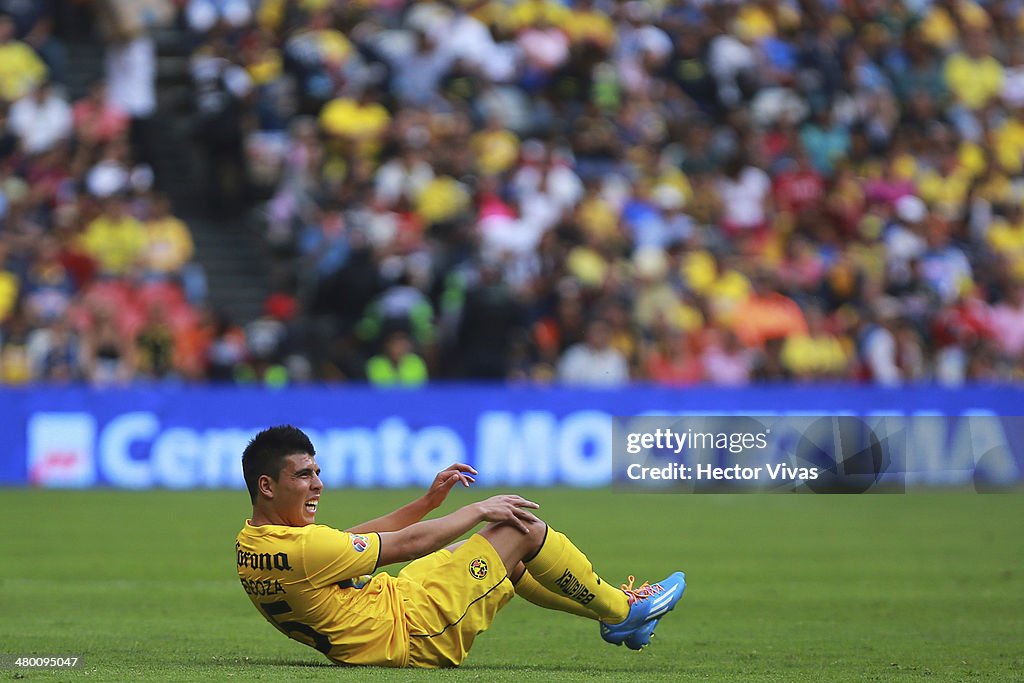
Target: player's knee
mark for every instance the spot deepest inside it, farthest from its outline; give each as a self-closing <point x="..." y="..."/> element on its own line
<point x="528" y="542"/>
<point x="516" y="572"/>
<point x="534" y="537"/>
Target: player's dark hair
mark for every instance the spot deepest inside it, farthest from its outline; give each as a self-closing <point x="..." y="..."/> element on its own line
<point x="266" y="452"/>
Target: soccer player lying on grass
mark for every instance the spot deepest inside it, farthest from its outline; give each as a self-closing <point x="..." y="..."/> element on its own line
<point x="310" y="580"/>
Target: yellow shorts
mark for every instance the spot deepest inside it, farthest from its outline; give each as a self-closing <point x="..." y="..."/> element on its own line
<point x="449" y="598"/>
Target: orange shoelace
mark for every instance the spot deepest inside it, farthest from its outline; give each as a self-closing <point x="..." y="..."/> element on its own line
<point x="641" y="592"/>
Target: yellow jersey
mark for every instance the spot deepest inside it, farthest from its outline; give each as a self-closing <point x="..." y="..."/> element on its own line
<point x="21" y="69"/>
<point x="303" y="580"/>
<point x="115" y="243"/>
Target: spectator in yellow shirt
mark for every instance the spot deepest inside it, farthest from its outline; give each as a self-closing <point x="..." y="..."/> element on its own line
<point x="529" y="12"/>
<point x="115" y="239"/>
<point x="10" y="285"/>
<point x="974" y="76"/>
<point x="1008" y="142"/>
<point x="718" y="280"/>
<point x="1006" y="237"/>
<point x="945" y="186"/>
<point x="261" y="59"/>
<point x="588" y="24"/>
<point x="21" y="69"/>
<point x="168" y="240"/>
<point x="938" y="28"/>
<point x="15" y="359"/>
<point x="755" y="21"/>
<point x="441" y="199"/>
<point x="272" y="13"/>
<point x="495" y="148"/>
<point x="362" y="122"/>
<point x="818" y="354"/>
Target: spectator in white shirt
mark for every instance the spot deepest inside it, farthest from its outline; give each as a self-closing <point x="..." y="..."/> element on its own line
<point x="594" y="362"/>
<point x="205" y="15"/>
<point x="41" y="120"/>
<point x="746" y="193"/>
<point x="879" y="347"/>
<point x="945" y="266"/>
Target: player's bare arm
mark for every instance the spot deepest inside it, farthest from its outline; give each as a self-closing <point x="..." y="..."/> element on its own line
<point x="423" y="538"/>
<point x="413" y="512"/>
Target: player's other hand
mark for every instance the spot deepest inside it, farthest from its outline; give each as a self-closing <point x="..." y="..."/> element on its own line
<point x="511" y="509"/>
<point x="445" y="480"/>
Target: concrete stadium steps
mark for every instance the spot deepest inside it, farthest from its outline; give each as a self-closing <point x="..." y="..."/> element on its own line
<point x="231" y="252"/>
<point x="84" y="66"/>
<point x="235" y="260"/>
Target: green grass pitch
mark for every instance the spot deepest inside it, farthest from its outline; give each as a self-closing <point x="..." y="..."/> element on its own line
<point x="780" y="588"/>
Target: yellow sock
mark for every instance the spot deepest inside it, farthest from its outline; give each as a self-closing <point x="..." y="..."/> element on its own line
<point x="563" y="569"/>
<point x="528" y="587"/>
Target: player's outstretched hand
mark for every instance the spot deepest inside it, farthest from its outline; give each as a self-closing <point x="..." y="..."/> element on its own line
<point x="445" y="480"/>
<point x="509" y="508"/>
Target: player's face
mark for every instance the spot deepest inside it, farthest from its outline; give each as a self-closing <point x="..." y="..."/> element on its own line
<point x="297" y="491"/>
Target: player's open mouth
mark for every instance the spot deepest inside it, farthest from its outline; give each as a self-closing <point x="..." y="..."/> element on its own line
<point x="311" y="504"/>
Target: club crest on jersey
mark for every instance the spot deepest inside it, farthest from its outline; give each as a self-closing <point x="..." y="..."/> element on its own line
<point x="359" y="542"/>
<point x="478" y="568"/>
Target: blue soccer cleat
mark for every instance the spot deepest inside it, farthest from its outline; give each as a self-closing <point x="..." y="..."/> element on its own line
<point x="647" y="604"/>
<point x="641" y="637"/>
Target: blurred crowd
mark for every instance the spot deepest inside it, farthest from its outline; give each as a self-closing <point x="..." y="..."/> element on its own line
<point x="590" y="192"/>
<point x="97" y="281"/>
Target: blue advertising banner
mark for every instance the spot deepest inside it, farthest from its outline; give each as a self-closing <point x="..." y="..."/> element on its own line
<point x="193" y="437"/>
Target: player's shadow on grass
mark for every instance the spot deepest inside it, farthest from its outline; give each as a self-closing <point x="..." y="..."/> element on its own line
<point x="469" y="668"/>
<point x="553" y="668"/>
<point x="292" y="662"/>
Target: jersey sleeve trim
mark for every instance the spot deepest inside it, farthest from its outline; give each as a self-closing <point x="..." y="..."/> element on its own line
<point x="376" y="563"/>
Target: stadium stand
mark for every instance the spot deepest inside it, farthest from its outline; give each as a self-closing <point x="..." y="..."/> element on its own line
<point x="591" y="192"/>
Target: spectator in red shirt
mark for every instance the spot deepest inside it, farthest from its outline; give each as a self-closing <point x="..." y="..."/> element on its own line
<point x="98" y="121"/>
<point x="799" y="186"/>
<point x="669" y="358"/>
